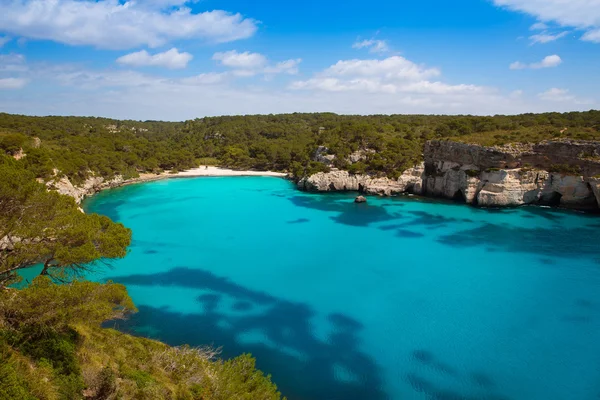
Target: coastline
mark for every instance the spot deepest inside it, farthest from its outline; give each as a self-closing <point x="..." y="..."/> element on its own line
<point x="94" y="185"/>
<point x="200" y="172"/>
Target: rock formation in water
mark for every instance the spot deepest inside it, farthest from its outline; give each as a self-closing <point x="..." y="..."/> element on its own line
<point x="559" y="173"/>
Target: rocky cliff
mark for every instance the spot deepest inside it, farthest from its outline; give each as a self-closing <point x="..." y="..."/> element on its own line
<point x="91" y="186"/>
<point x="561" y="173"/>
<point x="337" y="180"/>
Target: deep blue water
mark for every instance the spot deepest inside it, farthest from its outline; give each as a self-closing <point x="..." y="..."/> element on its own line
<point x="400" y="298"/>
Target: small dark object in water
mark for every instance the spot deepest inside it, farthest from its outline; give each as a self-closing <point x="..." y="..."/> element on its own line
<point x="360" y="199"/>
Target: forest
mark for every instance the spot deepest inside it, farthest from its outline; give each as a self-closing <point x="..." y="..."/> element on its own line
<point x="78" y="147"/>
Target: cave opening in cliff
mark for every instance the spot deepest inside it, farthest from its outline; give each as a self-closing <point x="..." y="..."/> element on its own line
<point x="459" y="196"/>
<point x="551" y="199"/>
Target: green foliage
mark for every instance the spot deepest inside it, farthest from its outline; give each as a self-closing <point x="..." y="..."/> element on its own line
<point x="239" y="379"/>
<point x="71" y="241"/>
<point x="79" y="146"/>
<point x="13" y="142"/>
<point x="52" y="347"/>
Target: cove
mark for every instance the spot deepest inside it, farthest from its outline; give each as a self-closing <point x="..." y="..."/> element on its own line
<point x="400" y="298"/>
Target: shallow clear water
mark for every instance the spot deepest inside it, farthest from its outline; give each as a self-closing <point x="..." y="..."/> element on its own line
<point x="398" y="299"/>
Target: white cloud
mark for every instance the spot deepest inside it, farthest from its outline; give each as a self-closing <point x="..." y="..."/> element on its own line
<point x="248" y="64"/>
<point x="580" y="14"/>
<point x="130" y="94"/>
<point x="171" y="59"/>
<point x="115" y="25"/>
<point x="563" y="96"/>
<point x="289" y="67"/>
<point x="12" y="83"/>
<point x="391" y="76"/>
<point x="555" y="94"/>
<point x="374" y="46"/>
<point x="538" y="26"/>
<point x="546" y="37"/>
<point x="246" y="59"/>
<point x="210" y="78"/>
<point x="4" y="40"/>
<point x="548" y="62"/>
<point x="12" y="63"/>
<point x="592" y="36"/>
<point x="516" y="94"/>
<point x="395" y="67"/>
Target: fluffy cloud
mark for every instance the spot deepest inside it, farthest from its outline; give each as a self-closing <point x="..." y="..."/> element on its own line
<point x="4" y="40"/>
<point x="391" y="76"/>
<point x="128" y="94"/>
<point x="289" y="67"/>
<point x="547" y="62"/>
<point x="374" y="46"/>
<point x="245" y="60"/>
<point x="171" y="59"/>
<point x="395" y="67"/>
<point x="248" y="64"/>
<point x="580" y="14"/>
<point x="210" y="78"/>
<point x="563" y="96"/>
<point x="113" y="24"/>
<point x="538" y="26"/>
<point x="12" y="63"/>
<point x="546" y="37"/>
<point x="12" y="83"/>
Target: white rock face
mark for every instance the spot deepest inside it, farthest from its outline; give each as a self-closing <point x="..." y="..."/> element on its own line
<point x="337" y="180"/>
<point x="89" y="187"/>
<point x="508" y="188"/>
<point x="322" y="155"/>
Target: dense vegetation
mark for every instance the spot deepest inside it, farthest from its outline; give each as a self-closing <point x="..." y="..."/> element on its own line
<point x="287" y="142"/>
<point x="52" y="347"/>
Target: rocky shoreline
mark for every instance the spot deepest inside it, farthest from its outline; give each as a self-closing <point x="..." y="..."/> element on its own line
<point x="505" y="176"/>
<point x="95" y="184"/>
<point x="488" y="177"/>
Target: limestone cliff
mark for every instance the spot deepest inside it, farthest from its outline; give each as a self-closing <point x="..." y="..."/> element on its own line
<point x="91" y="186"/>
<point x="559" y="173"/>
<point x="514" y="175"/>
<point x="338" y="180"/>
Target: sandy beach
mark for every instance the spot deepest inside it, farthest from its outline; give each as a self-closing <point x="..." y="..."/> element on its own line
<point x="199" y="172"/>
<point x="216" y="171"/>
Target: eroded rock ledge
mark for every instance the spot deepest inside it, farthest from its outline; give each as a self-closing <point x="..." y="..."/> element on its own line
<point x="489" y="177"/>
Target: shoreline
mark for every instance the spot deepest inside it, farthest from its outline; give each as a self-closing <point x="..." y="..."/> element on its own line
<point x="199" y="172"/>
<point x="96" y="185"/>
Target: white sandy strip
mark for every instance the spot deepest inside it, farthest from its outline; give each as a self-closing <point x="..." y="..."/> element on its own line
<point x="215" y="171"/>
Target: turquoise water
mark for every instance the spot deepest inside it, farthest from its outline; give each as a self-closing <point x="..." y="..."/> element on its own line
<point x="400" y="298"/>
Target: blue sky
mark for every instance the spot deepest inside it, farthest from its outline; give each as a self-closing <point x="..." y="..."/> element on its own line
<point x="176" y="59"/>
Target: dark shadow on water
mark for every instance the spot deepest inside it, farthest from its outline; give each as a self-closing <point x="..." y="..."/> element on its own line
<point x="403" y="233"/>
<point x="349" y="213"/>
<point x="304" y="366"/>
<point x="546" y="242"/>
<point x="109" y="209"/>
<point x="481" y="382"/>
<point x="299" y="221"/>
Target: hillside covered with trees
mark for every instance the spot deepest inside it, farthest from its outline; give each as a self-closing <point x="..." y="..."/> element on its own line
<point x="78" y="146"/>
